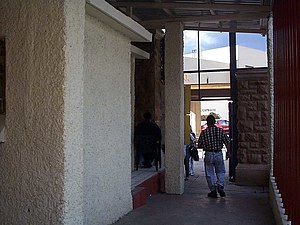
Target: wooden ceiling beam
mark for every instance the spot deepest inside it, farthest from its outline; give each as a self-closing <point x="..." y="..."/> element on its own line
<point x="194" y="6"/>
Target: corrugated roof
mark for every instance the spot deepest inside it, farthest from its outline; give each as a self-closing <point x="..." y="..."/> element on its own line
<point x="210" y="15"/>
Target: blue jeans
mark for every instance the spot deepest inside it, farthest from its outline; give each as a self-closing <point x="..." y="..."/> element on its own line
<point x="186" y="161"/>
<point x="191" y="166"/>
<point x="214" y="164"/>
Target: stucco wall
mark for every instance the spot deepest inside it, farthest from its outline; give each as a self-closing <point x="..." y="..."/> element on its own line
<point x="107" y="124"/>
<point x="73" y="111"/>
<point x="32" y="158"/>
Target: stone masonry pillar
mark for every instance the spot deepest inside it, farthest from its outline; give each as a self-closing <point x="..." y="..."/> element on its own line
<point x="254" y="127"/>
<point x="174" y="108"/>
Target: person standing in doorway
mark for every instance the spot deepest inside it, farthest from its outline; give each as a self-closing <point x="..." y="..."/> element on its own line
<point x="147" y="139"/>
<point x="212" y="140"/>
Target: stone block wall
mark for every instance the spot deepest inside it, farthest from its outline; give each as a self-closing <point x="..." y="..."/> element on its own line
<point x="253" y="116"/>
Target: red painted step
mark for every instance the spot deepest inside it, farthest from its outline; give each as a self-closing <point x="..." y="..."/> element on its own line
<point x="154" y="184"/>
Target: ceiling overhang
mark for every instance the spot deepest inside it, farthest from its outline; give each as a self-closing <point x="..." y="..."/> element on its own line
<point x="120" y="22"/>
<point x="248" y="16"/>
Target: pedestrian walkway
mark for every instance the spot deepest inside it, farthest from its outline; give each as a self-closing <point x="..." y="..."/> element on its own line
<point x="243" y="205"/>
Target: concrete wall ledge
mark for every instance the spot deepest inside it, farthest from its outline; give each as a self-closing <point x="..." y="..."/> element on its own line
<point x="252" y="73"/>
<point x="252" y="174"/>
<point x="117" y="20"/>
<point x="276" y="203"/>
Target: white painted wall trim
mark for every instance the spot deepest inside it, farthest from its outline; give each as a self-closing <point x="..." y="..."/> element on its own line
<point x="117" y="20"/>
<point x="139" y="53"/>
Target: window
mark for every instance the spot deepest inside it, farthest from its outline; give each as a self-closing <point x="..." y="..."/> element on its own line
<point x="251" y="50"/>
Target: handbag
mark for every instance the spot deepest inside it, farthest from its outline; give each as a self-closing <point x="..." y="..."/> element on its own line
<point x="194" y="153"/>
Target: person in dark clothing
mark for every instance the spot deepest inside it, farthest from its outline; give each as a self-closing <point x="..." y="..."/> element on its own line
<point x="147" y="139"/>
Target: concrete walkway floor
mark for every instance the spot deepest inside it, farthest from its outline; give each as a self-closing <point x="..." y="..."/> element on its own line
<point x="243" y="205"/>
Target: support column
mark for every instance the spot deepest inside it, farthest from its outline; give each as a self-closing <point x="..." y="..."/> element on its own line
<point x="271" y="80"/>
<point x="174" y="106"/>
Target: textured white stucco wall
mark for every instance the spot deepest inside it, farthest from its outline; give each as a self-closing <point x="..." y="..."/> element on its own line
<point x="32" y="158"/>
<point x="73" y="111"/>
<point x="107" y="124"/>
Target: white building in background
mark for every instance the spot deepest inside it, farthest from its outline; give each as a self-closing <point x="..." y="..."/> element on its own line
<point x="219" y="58"/>
<point x="246" y="57"/>
<point x="190" y="64"/>
<point x="214" y="58"/>
<point x="219" y="107"/>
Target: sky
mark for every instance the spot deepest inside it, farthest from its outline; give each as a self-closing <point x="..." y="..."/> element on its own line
<point x="210" y="40"/>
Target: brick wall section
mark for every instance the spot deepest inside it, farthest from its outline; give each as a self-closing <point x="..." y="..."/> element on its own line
<point x="253" y="116"/>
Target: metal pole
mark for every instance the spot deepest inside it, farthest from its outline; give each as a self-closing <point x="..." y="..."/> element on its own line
<point x="233" y="162"/>
<point x="199" y="67"/>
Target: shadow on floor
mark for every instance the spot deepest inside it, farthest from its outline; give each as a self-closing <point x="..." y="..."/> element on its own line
<point x="243" y="205"/>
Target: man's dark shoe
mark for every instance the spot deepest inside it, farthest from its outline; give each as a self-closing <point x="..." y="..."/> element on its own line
<point x="212" y="194"/>
<point x="222" y="192"/>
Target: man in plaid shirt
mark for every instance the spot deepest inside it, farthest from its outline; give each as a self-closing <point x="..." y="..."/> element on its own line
<point x="212" y="140"/>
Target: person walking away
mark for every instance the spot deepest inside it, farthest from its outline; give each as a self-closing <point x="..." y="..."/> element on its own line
<point x="147" y="138"/>
<point x="212" y="140"/>
<point x="188" y="160"/>
<point x="193" y="144"/>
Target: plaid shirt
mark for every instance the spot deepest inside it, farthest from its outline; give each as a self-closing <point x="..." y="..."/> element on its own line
<point x="212" y="139"/>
